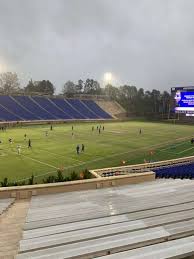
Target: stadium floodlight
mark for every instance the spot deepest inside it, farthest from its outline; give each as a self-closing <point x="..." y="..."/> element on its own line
<point x="108" y="78"/>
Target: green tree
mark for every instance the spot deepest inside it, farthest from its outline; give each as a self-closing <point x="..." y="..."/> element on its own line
<point x="80" y="86"/>
<point x="44" y="87"/>
<point x="69" y="89"/>
<point x="92" y="87"/>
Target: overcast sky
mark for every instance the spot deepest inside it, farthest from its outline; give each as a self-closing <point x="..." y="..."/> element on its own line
<point x="147" y="43"/>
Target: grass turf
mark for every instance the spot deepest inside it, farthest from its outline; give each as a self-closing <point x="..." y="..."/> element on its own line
<point x="119" y="141"/>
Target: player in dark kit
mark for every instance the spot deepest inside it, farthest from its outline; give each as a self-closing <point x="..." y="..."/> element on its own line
<point x="140" y="131"/>
<point x="99" y="131"/>
<point x="77" y="149"/>
<point x="29" y="143"/>
<point x="103" y="128"/>
<point x="51" y="128"/>
<point x="83" y="147"/>
<point x="72" y="127"/>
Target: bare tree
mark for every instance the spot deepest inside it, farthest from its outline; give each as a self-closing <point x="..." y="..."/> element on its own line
<point x="9" y="82"/>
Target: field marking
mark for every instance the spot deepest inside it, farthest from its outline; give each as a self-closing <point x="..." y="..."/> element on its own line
<point x="176" y="145"/>
<point x="40" y="162"/>
<point x="33" y="159"/>
<point x="168" y="152"/>
<point x="185" y="150"/>
<point x="59" y="155"/>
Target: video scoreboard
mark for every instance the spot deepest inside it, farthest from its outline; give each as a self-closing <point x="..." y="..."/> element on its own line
<point x="184" y="99"/>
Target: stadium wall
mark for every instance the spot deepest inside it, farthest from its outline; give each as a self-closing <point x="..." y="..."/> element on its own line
<point x="140" y="168"/>
<point x="22" y="192"/>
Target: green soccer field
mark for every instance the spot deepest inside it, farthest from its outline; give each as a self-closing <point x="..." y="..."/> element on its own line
<point x="119" y="141"/>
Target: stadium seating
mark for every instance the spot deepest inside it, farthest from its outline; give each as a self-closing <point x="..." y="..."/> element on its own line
<point x="135" y="220"/>
<point x="26" y="108"/>
<point x="51" y="108"/>
<point x="12" y="105"/>
<point x="28" y="103"/>
<point x="96" y="109"/>
<point x="70" y="110"/>
<point x="177" y="171"/>
<point x="83" y="109"/>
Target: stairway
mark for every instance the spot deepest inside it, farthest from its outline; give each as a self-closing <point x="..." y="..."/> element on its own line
<point x="11" y="227"/>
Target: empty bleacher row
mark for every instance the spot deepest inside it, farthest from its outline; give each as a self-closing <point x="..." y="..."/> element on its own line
<point x="5" y="204"/>
<point x="182" y="171"/>
<point x="30" y="108"/>
<point x="149" y="220"/>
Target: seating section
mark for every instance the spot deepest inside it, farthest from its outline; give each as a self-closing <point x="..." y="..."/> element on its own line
<point x="96" y="109"/>
<point x="113" y="108"/>
<point x="176" y="171"/>
<point x="70" y="110"/>
<point x="5" y="204"/>
<point x="26" y="108"/>
<point x="83" y="109"/>
<point x="149" y="220"/>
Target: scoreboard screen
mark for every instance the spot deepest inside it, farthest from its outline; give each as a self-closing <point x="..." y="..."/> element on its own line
<point x="184" y="100"/>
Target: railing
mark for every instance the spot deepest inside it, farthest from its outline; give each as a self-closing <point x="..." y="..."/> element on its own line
<point x="139" y="168"/>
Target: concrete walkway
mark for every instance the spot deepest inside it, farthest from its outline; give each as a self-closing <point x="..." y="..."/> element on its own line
<point x="11" y="227"/>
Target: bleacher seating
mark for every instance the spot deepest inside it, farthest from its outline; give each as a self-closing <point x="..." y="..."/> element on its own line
<point x="149" y="220"/>
<point x="26" y="108"/>
<point x="83" y="109"/>
<point x="95" y="108"/>
<point x="183" y="171"/>
<point x="113" y="108"/>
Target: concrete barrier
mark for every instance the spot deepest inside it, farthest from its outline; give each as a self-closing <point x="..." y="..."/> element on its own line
<point x="22" y="192"/>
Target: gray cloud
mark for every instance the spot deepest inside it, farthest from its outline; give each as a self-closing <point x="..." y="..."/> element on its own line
<point x="147" y="43"/>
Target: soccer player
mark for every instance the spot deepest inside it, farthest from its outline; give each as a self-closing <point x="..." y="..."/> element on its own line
<point x="77" y="149"/>
<point x="19" y="149"/>
<point x="97" y="128"/>
<point x="103" y="128"/>
<point x="10" y="141"/>
<point x="92" y="128"/>
<point x="83" y="147"/>
<point x="25" y="136"/>
<point x="99" y="131"/>
<point x="72" y="127"/>
<point x="140" y="132"/>
<point x="29" y="143"/>
<point x="51" y="128"/>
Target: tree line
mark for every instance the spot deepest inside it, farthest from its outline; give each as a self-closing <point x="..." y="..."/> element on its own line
<point x="136" y="101"/>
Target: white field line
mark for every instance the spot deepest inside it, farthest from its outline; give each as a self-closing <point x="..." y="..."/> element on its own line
<point x="33" y="159"/>
<point x="38" y="161"/>
<point x="168" y="152"/>
<point x="185" y="150"/>
<point x="59" y="155"/>
<point x="176" y="145"/>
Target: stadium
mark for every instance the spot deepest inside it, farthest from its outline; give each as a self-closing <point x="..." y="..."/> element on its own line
<point x="45" y="183"/>
<point x="96" y="129"/>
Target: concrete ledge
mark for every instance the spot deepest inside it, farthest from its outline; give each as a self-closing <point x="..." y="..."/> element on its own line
<point x="22" y="192"/>
<point x="139" y="168"/>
